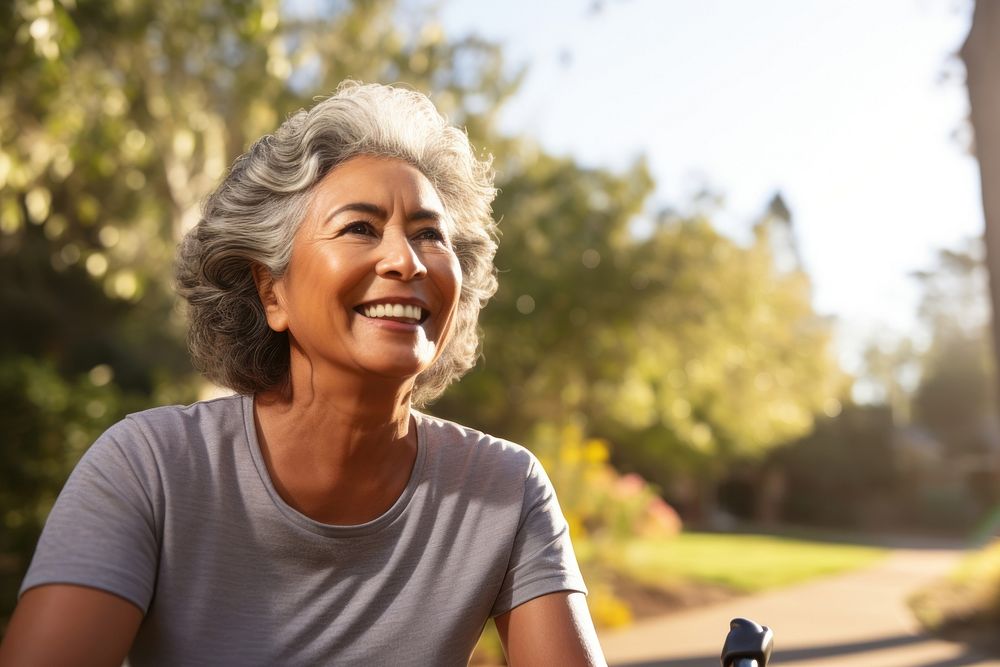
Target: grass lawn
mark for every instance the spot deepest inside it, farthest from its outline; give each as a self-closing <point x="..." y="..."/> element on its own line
<point x="745" y="563"/>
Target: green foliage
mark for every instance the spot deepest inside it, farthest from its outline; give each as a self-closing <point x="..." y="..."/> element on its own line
<point x="48" y="422"/>
<point x="685" y="349"/>
<point x="123" y="115"/>
<point x="739" y="360"/>
<point x="551" y="331"/>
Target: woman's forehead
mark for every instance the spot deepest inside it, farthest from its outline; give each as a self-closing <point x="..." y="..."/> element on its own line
<point x="373" y="176"/>
<point x="376" y="187"/>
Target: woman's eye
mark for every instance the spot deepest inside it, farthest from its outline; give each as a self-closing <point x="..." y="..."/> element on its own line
<point x="430" y="234"/>
<point x="362" y="228"/>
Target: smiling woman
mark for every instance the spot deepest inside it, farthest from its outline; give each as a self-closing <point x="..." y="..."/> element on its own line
<point x="315" y="517"/>
<point x="375" y="240"/>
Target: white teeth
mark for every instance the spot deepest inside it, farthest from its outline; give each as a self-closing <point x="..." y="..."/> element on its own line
<point x="394" y="310"/>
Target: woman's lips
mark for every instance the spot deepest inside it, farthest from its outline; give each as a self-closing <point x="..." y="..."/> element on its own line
<point x="394" y="311"/>
<point x="397" y="311"/>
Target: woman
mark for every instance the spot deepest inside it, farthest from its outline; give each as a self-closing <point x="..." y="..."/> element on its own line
<point x="334" y="281"/>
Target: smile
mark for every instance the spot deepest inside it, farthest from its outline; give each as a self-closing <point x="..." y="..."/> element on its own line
<point x="394" y="311"/>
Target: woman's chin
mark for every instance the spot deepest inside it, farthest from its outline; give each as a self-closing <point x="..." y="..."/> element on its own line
<point x="396" y="368"/>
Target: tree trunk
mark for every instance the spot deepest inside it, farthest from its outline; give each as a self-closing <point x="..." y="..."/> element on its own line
<point x="981" y="54"/>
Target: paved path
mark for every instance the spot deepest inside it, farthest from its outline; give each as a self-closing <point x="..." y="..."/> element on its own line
<point x="858" y="619"/>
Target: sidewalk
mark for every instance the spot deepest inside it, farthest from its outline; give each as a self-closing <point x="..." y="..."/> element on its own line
<point x="858" y="619"/>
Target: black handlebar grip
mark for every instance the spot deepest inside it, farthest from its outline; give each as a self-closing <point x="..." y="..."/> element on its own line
<point x="747" y="641"/>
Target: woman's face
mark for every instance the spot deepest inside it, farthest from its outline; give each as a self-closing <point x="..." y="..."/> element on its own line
<point x="373" y="281"/>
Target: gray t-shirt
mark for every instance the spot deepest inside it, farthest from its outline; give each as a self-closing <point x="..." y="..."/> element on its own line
<point x="174" y="510"/>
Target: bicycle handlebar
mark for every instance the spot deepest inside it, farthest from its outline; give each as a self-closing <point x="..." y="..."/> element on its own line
<point x="747" y="644"/>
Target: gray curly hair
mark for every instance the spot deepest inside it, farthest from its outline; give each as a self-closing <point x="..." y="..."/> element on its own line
<point x="253" y="215"/>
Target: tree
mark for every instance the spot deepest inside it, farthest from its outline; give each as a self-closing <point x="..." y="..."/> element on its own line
<point x="554" y="332"/>
<point x="739" y="359"/>
<point x="687" y="351"/>
<point x="890" y="371"/>
<point x="981" y="53"/>
<point x="956" y="397"/>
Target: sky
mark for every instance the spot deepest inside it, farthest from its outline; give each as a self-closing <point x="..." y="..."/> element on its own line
<point x="853" y="109"/>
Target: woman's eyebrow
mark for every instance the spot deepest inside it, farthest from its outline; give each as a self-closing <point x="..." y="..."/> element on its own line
<point x="359" y="207"/>
<point x="380" y="213"/>
<point x="425" y="214"/>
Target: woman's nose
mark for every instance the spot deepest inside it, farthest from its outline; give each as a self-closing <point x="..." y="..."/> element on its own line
<point x="399" y="260"/>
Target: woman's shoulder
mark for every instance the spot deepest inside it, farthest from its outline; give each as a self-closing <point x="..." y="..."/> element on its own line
<point x="218" y="414"/>
<point x="461" y="444"/>
<point x="174" y="431"/>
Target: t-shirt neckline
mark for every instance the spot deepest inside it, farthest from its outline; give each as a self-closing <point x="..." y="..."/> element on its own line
<point x="325" y="529"/>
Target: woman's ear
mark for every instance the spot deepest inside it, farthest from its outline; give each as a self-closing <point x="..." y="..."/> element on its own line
<point x="268" y="289"/>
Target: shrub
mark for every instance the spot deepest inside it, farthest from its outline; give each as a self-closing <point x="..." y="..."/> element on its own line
<point x="966" y="604"/>
<point x="603" y="508"/>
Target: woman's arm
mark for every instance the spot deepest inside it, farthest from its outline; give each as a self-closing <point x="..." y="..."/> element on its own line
<point x="61" y="624"/>
<point x="554" y="629"/>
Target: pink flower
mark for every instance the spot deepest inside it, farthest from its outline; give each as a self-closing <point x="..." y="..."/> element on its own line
<point x="630" y="485"/>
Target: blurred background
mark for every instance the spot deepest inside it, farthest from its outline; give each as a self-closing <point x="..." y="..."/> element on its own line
<point x="743" y="279"/>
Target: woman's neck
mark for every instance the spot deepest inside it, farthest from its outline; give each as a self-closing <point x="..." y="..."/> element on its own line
<point x="339" y="452"/>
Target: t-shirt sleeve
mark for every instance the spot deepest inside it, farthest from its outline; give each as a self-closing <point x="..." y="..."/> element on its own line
<point x="102" y="530"/>
<point x="542" y="559"/>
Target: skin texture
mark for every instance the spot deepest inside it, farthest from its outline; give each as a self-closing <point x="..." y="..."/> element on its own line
<point x="61" y="625"/>
<point x="337" y="439"/>
<point x="553" y="629"/>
